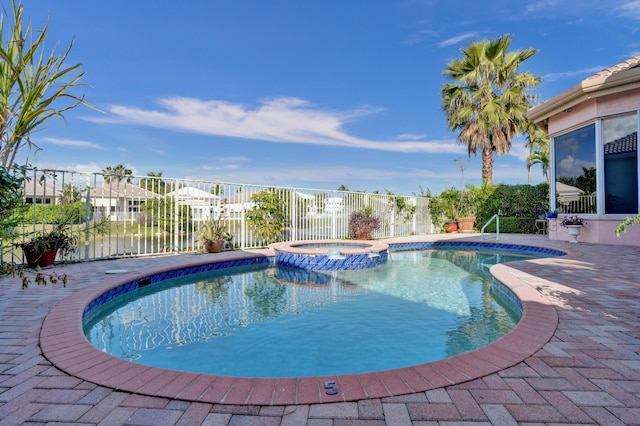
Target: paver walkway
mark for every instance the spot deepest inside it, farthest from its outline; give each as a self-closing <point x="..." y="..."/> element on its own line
<point x="588" y="373"/>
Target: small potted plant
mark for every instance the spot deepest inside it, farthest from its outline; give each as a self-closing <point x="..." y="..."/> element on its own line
<point x="362" y="224"/>
<point x="574" y="224"/>
<point x="41" y="249"/>
<point x="213" y="234"/>
<point x="467" y="208"/>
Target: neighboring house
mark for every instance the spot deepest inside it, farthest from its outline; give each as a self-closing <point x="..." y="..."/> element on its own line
<point x="118" y="201"/>
<point x="203" y="204"/>
<point x="237" y="205"/>
<point x="333" y="205"/>
<point x="593" y="128"/>
<point x="36" y="192"/>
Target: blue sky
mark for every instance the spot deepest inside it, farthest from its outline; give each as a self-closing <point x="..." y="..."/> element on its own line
<point x="313" y="94"/>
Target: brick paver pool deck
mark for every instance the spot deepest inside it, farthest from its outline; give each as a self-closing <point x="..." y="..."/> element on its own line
<point x="585" y="371"/>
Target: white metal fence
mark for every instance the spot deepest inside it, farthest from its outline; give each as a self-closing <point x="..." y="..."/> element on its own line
<point x="145" y="215"/>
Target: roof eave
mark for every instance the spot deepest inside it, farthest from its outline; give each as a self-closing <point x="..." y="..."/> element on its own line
<point x="587" y="89"/>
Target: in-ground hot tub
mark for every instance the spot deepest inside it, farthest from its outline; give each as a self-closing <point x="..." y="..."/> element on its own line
<point x="331" y="255"/>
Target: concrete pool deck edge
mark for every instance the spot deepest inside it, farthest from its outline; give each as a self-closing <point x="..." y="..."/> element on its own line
<point x="64" y="345"/>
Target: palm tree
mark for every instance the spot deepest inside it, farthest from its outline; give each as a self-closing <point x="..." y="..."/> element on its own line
<point x="119" y="173"/>
<point x="488" y="99"/>
<point x="538" y="144"/>
<point x="153" y="182"/>
<point x="32" y="85"/>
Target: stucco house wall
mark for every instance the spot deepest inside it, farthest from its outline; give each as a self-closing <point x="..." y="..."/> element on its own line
<point x="613" y="91"/>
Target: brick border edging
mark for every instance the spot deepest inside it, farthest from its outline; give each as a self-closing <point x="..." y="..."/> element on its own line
<point x="63" y="343"/>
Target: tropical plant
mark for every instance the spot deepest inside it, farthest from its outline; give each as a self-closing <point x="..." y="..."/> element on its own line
<point x="70" y="193"/>
<point x="267" y="217"/>
<point x="538" y="144"/>
<point x="213" y="229"/>
<point x="362" y="224"/>
<point x="154" y="183"/>
<point x="627" y="222"/>
<point x="117" y="173"/>
<point x="33" y="85"/>
<point x="167" y="214"/>
<point x="58" y="239"/>
<point x="488" y="99"/>
<point x="540" y="156"/>
<point x="12" y="203"/>
<point x="444" y="207"/>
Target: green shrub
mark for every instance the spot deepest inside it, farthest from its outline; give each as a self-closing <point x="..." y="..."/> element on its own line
<point x="513" y="225"/>
<point x="59" y="213"/>
<point x="163" y="214"/>
<point x="517" y="201"/>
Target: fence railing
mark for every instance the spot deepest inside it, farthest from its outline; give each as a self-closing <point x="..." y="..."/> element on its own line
<point x="577" y="204"/>
<point x="146" y="215"/>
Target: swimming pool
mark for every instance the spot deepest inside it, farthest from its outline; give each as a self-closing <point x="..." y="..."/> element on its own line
<point x="270" y="321"/>
<point x="64" y="345"/>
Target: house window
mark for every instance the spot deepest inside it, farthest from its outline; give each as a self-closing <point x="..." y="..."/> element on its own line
<point x="575" y="170"/>
<point x="620" y="137"/>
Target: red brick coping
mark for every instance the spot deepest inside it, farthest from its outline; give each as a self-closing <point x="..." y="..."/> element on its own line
<point x="63" y="343"/>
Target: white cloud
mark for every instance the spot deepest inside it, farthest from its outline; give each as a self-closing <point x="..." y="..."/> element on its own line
<point x="572" y="167"/>
<point x="409" y="137"/>
<point x="518" y="150"/>
<point x="586" y="72"/>
<point x="71" y="143"/>
<point x="542" y="5"/>
<point x="629" y="10"/>
<point x="285" y="119"/>
<point x="459" y="38"/>
<point x="419" y="36"/>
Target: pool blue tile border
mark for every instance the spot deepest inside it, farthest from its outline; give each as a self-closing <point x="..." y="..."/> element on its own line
<point x="163" y="276"/>
<point x="353" y="262"/>
<point x="475" y="245"/>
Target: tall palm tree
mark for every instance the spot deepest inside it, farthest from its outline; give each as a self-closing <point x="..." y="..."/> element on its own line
<point x="119" y="173"/>
<point x="488" y="98"/>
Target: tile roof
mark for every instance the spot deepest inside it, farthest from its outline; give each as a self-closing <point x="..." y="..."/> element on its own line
<point x="627" y="143"/>
<point x="627" y="64"/>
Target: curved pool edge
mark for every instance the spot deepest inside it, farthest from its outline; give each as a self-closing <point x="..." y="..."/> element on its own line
<point x="65" y="346"/>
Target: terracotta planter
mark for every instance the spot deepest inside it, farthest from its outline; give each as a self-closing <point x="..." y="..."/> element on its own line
<point x="466" y="224"/>
<point x="41" y="259"/>
<point x="451" y="227"/>
<point x="213" y="246"/>
<point x="363" y="236"/>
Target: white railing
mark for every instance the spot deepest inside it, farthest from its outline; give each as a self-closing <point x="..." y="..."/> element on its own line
<point x="152" y="215"/>
<point x="577" y="204"/>
<point x="495" y="217"/>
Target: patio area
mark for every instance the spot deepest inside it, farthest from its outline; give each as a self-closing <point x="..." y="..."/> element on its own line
<point x="588" y="373"/>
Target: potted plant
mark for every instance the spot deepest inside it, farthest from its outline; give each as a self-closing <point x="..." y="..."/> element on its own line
<point x="41" y="249"/>
<point x="467" y="210"/>
<point x="574" y="224"/>
<point x="213" y="234"/>
<point x="362" y="224"/>
<point x="444" y="210"/>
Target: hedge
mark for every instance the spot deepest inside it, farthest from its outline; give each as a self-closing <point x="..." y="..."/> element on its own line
<point x="59" y="213"/>
<point x="513" y="225"/>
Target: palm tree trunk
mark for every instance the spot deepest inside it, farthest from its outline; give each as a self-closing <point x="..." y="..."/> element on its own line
<point x="487" y="166"/>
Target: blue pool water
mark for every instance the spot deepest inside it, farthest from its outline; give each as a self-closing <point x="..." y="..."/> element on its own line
<point x="260" y="321"/>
